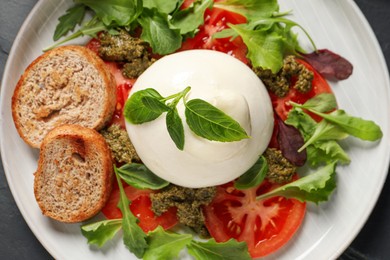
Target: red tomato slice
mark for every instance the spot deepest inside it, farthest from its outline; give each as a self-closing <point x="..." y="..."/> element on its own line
<point x="282" y="106"/>
<point x="123" y="85"/>
<point x="141" y="208"/>
<point x="265" y="225"/>
<point x="216" y="20"/>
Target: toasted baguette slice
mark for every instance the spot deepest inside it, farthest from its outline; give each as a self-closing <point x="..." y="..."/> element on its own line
<point x="67" y="85"/>
<point x="75" y="174"/>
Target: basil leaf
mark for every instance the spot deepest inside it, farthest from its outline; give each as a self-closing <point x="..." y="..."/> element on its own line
<point x="324" y="102"/>
<point x="251" y="9"/>
<point x="164" y="6"/>
<point x="315" y="187"/>
<point x="155" y="104"/>
<point x="134" y="237"/>
<point x="254" y="176"/>
<point x="158" y="33"/>
<point x="140" y="177"/>
<point x="355" y="126"/>
<point x="211" y="250"/>
<point x="69" y="20"/>
<point x="189" y="19"/>
<point x="119" y="12"/>
<point x="175" y="128"/>
<point x="100" y="232"/>
<point x="135" y="110"/>
<point x="211" y="123"/>
<point x="164" y="244"/>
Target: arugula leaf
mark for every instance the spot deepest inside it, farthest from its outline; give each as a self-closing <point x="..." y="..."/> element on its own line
<point x="326" y="152"/>
<point x="164" y="244"/>
<point x="302" y="121"/>
<point x="175" y="128"/>
<point x="69" y="20"/>
<point x="135" y="110"/>
<point x="157" y="32"/>
<point x="91" y="28"/>
<point x="211" y="250"/>
<point x="133" y="236"/>
<point x="140" y="177"/>
<point x="254" y="176"/>
<point x="355" y="126"/>
<point x="324" y="102"/>
<point x="251" y="9"/>
<point x="119" y="12"/>
<point x="325" y="131"/>
<point x="211" y="123"/>
<point x="189" y="19"/>
<point x="315" y="187"/>
<point x="265" y="48"/>
<point x="99" y="233"/>
<point x="164" y="6"/>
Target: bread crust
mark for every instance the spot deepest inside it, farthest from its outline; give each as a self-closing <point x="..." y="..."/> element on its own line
<point x="67" y="85"/>
<point x="75" y="174"/>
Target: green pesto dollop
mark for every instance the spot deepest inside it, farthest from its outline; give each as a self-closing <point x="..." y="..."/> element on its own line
<point x="280" y="82"/>
<point x="188" y="202"/>
<point x="132" y="52"/>
<point x="280" y="170"/>
<point x="119" y="142"/>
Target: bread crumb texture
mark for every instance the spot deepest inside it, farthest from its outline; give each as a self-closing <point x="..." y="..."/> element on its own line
<point x="68" y="85"/>
<point x="75" y="174"/>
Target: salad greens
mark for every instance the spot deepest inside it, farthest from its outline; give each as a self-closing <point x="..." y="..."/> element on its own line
<point x="315" y="187"/>
<point x="321" y="138"/>
<point x="267" y="34"/>
<point x="159" y="243"/>
<point x="204" y="119"/>
<point x="140" y="177"/>
<point x="133" y="236"/>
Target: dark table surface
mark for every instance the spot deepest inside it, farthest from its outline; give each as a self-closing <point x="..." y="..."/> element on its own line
<point x="18" y="242"/>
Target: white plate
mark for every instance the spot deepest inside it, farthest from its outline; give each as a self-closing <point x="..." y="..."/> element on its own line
<point x="327" y="229"/>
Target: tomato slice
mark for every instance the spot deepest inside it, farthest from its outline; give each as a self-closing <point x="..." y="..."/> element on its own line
<point x="265" y="225"/>
<point x="216" y="20"/>
<point x="141" y="208"/>
<point x="123" y="85"/>
<point x="282" y="105"/>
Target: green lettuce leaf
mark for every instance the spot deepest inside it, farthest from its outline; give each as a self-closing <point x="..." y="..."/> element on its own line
<point x="315" y="187"/>
<point x="134" y="237"/>
<point x="164" y="244"/>
<point x="119" y="12"/>
<point x="211" y="250"/>
<point x="251" y="9"/>
<point x="157" y="31"/>
<point x="189" y="19"/>
<point x="140" y="177"/>
<point x="99" y="233"/>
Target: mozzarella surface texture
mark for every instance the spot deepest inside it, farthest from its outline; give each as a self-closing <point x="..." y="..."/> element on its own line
<point x="224" y="82"/>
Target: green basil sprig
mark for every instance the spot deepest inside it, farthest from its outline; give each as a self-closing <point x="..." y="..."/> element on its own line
<point x="203" y="119"/>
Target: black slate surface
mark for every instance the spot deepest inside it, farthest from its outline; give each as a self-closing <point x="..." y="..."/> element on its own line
<point x="18" y="242"/>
